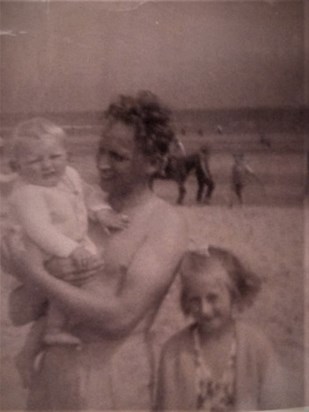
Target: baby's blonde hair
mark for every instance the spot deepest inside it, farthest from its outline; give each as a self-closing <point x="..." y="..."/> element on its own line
<point x="35" y="129"/>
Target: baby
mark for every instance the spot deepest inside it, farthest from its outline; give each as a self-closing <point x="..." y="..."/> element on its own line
<point x="52" y="204"/>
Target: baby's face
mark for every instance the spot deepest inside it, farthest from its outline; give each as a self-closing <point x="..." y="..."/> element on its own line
<point x="42" y="162"/>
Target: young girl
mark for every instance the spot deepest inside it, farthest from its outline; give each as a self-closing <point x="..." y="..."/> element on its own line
<point x="218" y="363"/>
<point x="52" y="204"/>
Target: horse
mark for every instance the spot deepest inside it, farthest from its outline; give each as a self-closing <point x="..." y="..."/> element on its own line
<point x="178" y="168"/>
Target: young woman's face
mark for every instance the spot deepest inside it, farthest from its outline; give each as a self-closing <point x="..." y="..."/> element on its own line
<point x="209" y="298"/>
<point x="121" y="165"/>
<point x="42" y="162"/>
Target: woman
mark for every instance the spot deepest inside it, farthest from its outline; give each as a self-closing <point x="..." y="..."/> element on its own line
<point x="113" y="367"/>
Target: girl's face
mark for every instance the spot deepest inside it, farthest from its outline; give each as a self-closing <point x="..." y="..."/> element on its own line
<point x="121" y="164"/>
<point x="209" y="298"/>
<point x="42" y="162"/>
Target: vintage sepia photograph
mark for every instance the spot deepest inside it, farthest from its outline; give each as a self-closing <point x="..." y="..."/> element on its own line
<point x="154" y="164"/>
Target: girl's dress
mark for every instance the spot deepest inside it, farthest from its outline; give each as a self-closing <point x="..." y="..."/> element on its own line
<point x="254" y="378"/>
<point x="214" y="395"/>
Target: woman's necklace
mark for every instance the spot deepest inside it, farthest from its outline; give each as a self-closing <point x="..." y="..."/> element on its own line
<point x="214" y="395"/>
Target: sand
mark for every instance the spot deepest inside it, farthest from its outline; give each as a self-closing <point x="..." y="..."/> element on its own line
<point x="267" y="233"/>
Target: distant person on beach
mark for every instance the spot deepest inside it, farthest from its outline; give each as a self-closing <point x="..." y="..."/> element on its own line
<point x="52" y="204"/>
<point x="241" y="175"/>
<point x="218" y="363"/>
<point x="177" y="149"/>
<point x="204" y="155"/>
<point x="113" y="370"/>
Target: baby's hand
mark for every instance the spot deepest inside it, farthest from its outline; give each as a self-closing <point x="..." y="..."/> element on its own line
<point x="111" y="220"/>
<point x="82" y="259"/>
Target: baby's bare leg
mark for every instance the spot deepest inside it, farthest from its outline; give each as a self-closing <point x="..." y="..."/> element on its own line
<point x="25" y="360"/>
<point x="55" y="333"/>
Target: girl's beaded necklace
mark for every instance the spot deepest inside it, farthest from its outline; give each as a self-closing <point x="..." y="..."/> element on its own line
<point x="214" y="395"/>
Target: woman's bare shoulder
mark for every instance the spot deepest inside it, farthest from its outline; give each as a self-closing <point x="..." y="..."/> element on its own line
<point x="168" y="225"/>
<point x="168" y="214"/>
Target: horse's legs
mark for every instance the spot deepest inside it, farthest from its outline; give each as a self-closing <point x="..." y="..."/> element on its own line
<point x="181" y="192"/>
<point x="200" y="177"/>
<point x="200" y="188"/>
<point x="210" y="188"/>
<point x="202" y="180"/>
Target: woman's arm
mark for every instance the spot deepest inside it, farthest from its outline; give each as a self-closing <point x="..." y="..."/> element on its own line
<point x="116" y="311"/>
<point x="27" y="302"/>
<point x="26" y="305"/>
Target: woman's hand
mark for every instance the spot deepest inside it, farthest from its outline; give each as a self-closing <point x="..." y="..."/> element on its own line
<point x="65" y="269"/>
<point x="82" y="258"/>
<point x="110" y="220"/>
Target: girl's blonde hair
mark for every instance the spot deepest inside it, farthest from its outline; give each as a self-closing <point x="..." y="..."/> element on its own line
<point x="36" y="129"/>
<point x="243" y="284"/>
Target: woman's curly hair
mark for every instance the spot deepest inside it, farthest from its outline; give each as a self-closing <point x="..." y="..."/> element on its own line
<point x="244" y="284"/>
<point x="149" y="117"/>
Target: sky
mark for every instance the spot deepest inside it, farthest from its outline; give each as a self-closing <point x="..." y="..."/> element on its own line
<point x="75" y="56"/>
